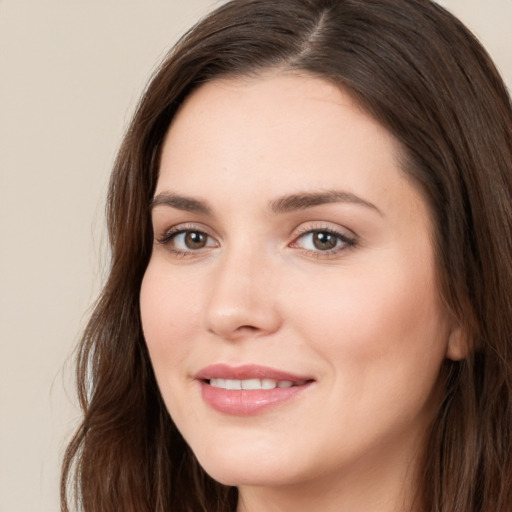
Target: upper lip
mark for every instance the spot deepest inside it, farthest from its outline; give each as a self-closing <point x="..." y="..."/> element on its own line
<point x="248" y="371"/>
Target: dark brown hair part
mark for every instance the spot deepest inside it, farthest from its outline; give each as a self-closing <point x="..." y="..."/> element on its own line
<point x="426" y="79"/>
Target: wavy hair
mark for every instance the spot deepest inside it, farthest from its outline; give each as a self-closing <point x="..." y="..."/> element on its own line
<point x="425" y="78"/>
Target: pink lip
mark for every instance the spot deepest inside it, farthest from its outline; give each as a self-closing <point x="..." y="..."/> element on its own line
<point x="247" y="402"/>
<point x="248" y="371"/>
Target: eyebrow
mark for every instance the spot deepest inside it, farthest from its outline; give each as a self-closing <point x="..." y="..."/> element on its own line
<point x="285" y="204"/>
<point x="304" y="200"/>
<point x="184" y="203"/>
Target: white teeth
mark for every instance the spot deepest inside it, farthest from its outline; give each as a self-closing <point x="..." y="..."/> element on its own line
<point x="218" y="383"/>
<point x="250" y="383"/>
<point x="233" y="384"/>
<point x="268" y="384"/>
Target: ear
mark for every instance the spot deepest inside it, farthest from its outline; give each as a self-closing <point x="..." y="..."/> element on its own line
<point x="457" y="347"/>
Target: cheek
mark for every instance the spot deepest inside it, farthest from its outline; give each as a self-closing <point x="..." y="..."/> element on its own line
<point x="385" y="320"/>
<point x="167" y="317"/>
<point x="384" y="340"/>
<point x="168" y="314"/>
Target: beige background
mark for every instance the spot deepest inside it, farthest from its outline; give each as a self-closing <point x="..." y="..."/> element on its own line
<point x="70" y="74"/>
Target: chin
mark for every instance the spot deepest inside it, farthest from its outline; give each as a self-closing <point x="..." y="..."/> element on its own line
<point x="254" y="476"/>
<point x="238" y="467"/>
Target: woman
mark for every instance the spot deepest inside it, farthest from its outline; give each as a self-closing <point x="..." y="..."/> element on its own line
<point x="309" y="299"/>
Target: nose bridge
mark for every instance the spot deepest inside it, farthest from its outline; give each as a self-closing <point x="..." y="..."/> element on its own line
<point x="240" y="296"/>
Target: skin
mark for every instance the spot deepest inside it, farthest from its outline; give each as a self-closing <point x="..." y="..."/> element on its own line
<point x="364" y="320"/>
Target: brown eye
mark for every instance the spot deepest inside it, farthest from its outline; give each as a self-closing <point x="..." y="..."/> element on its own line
<point x="324" y="241"/>
<point x="195" y="240"/>
<point x="188" y="241"/>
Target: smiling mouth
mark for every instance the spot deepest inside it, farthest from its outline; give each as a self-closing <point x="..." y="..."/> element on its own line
<point x="249" y="389"/>
<point x="252" y="384"/>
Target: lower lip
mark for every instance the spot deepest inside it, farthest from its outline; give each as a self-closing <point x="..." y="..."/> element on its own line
<point x="246" y="402"/>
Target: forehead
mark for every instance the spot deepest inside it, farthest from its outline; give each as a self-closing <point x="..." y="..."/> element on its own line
<point x="279" y="133"/>
<point x="264" y="103"/>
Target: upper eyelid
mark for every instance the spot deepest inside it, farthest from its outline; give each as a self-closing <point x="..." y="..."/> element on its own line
<point x="187" y="226"/>
<point x="343" y="236"/>
<point x="310" y="226"/>
<point x="307" y="227"/>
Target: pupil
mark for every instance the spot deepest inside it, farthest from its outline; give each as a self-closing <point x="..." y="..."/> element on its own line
<point x="324" y="241"/>
<point x="195" y="240"/>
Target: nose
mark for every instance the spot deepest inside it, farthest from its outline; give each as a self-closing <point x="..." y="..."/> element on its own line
<point x="241" y="299"/>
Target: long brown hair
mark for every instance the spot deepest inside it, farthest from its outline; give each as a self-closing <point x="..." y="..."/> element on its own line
<point x="420" y="73"/>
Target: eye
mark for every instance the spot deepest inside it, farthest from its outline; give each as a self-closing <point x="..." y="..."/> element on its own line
<point x="323" y="240"/>
<point x="191" y="240"/>
<point x="182" y="241"/>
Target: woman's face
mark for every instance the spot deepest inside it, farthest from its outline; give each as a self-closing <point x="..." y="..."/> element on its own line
<point x="293" y="259"/>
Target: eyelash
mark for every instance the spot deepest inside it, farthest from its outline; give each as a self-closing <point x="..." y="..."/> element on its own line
<point x="173" y="233"/>
<point x="347" y="242"/>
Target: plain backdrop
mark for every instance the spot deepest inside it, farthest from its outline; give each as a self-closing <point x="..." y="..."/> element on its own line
<point x="71" y="72"/>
